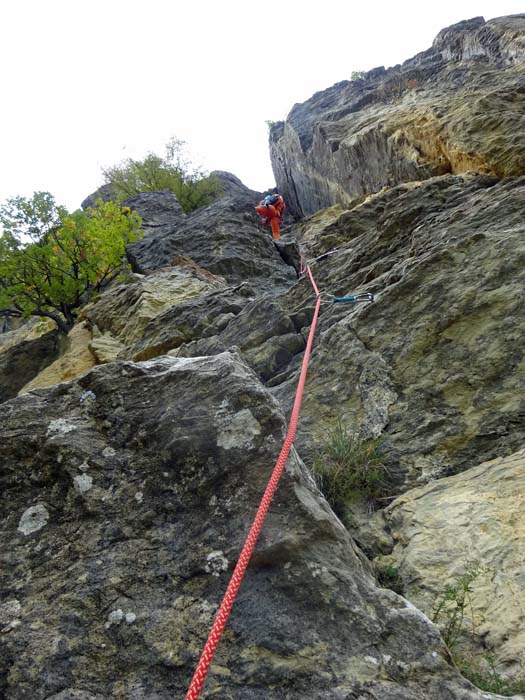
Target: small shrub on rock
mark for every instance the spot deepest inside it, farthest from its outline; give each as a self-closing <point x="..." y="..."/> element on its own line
<point x="482" y="672"/>
<point x="349" y="468"/>
<point x="454" y="613"/>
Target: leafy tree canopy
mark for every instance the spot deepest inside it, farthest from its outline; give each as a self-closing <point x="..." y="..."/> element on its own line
<point x="52" y="261"/>
<point x="175" y="172"/>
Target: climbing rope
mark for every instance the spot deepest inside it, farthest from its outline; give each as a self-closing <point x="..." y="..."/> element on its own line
<point x="231" y="592"/>
<point x="327" y="298"/>
<point x="238" y="574"/>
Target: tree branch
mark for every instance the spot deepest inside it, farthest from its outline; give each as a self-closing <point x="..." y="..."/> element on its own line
<point x="10" y="313"/>
<point x="63" y="327"/>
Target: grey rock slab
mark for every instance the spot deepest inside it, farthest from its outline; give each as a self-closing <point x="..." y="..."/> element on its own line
<point x="224" y="237"/>
<point x="156" y="209"/>
<point x="436" y="364"/>
<point x="116" y="594"/>
<point x="20" y="363"/>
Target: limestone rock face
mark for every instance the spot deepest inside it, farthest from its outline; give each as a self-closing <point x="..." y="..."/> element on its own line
<point x="157" y="210"/>
<point x="457" y="107"/>
<point x="267" y="335"/>
<point x="74" y="360"/>
<point x="126" y="497"/>
<point x="474" y="520"/>
<point x="119" y="318"/>
<point x="21" y="361"/>
<point x="270" y="332"/>
<point x="128" y="488"/>
<point x="224" y="237"/>
<point x="436" y="364"/>
<point x="194" y="319"/>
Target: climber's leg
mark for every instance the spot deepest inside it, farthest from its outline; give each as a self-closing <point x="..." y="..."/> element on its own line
<point x="276" y="232"/>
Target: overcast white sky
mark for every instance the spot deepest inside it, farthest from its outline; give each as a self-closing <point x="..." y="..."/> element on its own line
<point x="86" y="84"/>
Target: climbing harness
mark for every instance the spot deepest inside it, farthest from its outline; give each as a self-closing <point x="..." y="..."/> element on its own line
<point x="221" y="617"/>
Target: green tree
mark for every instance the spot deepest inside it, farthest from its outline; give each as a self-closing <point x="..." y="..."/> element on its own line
<point x="52" y="261"/>
<point x="31" y="218"/>
<point x="175" y="172"/>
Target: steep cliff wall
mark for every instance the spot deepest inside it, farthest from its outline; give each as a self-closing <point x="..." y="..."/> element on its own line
<point x="130" y="477"/>
<point x="457" y="107"/>
<point x="129" y="489"/>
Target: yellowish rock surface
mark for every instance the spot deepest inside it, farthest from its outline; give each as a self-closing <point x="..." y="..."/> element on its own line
<point x="473" y="519"/>
<point x="121" y="315"/>
<point x="75" y="361"/>
<point x="33" y="328"/>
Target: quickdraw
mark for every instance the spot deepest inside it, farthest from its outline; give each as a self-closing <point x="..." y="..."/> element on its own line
<point x="317" y="259"/>
<point x="354" y="298"/>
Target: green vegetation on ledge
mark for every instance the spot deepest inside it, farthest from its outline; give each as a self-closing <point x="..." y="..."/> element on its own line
<point x="192" y="187"/>
<point x="347" y="468"/>
<point x="453" y="610"/>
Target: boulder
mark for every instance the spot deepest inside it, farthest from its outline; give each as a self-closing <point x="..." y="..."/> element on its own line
<point x="127" y="495"/>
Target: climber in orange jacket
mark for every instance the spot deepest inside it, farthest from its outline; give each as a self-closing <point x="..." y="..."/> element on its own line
<point x="271" y="208"/>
